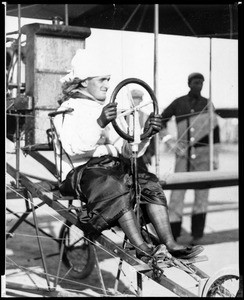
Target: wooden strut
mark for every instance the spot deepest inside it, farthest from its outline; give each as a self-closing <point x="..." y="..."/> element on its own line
<point x="59" y="264"/>
<point x="119" y="268"/>
<point x="100" y="277"/>
<point x="23" y="219"/>
<point x="39" y="240"/>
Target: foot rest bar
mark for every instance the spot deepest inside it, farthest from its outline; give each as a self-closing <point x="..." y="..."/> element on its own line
<point x="37" y="147"/>
<point x="142" y="267"/>
<point x="194" y="259"/>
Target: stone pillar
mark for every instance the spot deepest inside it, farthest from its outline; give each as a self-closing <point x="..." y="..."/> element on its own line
<point x="49" y="51"/>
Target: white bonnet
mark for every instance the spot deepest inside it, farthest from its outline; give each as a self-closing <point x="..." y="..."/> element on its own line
<point x="84" y="65"/>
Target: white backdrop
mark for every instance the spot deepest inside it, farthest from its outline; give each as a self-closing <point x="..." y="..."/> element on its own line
<point x="130" y="54"/>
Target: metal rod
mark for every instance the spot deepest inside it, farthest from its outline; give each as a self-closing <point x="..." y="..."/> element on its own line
<point x="66" y="14"/>
<point x="12" y="32"/>
<point x="134" y="147"/>
<point x="18" y="96"/>
<point x="184" y="20"/>
<point x="131" y="16"/>
<point x="210" y="111"/>
<point x="231" y="21"/>
<point x="19" y="52"/>
<point x="13" y="11"/>
<point x="99" y="272"/>
<point x="156" y="29"/>
<point x="58" y="174"/>
<point x="142" y="17"/>
<point x="38" y="240"/>
<point x="22" y="219"/>
<point x="136" y="186"/>
<point x="139" y="284"/>
<point x="60" y="260"/>
<point x="17" y="151"/>
<point x="119" y="268"/>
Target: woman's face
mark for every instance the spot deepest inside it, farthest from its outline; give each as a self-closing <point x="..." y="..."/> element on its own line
<point x="98" y="87"/>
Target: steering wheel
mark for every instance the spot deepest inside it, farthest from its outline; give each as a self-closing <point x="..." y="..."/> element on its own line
<point x="122" y="84"/>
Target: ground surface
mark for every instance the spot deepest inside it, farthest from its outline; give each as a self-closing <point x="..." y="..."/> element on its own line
<point x="221" y="241"/>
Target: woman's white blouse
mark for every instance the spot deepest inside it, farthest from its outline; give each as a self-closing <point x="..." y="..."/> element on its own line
<point x="83" y="138"/>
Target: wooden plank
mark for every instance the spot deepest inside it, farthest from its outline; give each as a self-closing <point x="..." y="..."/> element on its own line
<point x="227" y="112"/>
<point x="199" y="180"/>
<point x="50" y="166"/>
<point x="12" y="194"/>
<point x="37" y="147"/>
<point x="44" y="292"/>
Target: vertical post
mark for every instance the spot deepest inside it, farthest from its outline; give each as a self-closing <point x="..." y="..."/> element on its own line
<point x="60" y="260"/>
<point x="156" y="139"/>
<point x="136" y="186"/>
<point x="66" y="15"/>
<point x="119" y="268"/>
<point x="139" y="284"/>
<point x="18" y="96"/>
<point x="19" y="52"/>
<point x="99" y="272"/>
<point x="17" y="150"/>
<point x="210" y="111"/>
<point x="3" y="286"/>
<point x="134" y="148"/>
<point x="39" y="239"/>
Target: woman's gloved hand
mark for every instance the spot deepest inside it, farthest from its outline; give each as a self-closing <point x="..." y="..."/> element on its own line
<point x="155" y="122"/>
<point x="109" y="113"/>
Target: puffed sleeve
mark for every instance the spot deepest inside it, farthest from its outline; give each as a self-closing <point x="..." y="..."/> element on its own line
<point x="79" y="131"/>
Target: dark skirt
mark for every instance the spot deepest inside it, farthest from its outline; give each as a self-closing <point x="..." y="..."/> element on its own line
<point x="105" y="184"/>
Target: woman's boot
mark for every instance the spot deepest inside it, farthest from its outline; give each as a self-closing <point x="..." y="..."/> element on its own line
<point x="158" y="214"/>
<point x="131" y="229"/>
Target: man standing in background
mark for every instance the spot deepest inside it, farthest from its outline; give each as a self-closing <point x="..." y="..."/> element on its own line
<point x="192" y="152"/>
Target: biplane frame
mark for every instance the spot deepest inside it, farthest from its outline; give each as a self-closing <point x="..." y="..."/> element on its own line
<point x="53" y="199"/>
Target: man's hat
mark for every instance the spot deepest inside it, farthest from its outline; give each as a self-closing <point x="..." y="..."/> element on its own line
<point x="84" y="65"/>
<point x="137" y="94"/>
<point x="195" y="75"/>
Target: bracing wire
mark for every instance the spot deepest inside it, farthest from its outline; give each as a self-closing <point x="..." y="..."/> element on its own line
<point x="27" y="270"/>
<point x="74" y="230"/>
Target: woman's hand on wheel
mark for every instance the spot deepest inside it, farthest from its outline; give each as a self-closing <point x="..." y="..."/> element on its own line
<point x="155" y="122"/>
<point x="109" y="113"/>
